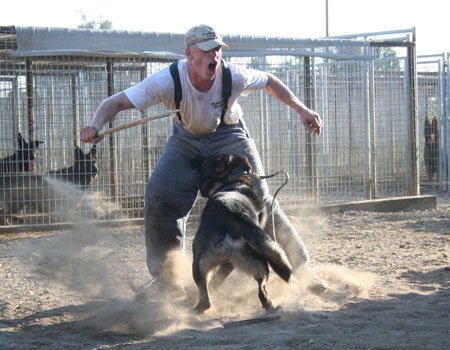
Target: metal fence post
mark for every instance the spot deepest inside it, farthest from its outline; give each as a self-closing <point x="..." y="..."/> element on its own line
<point x="29" y="87"/>
<point x="144" y="136"/>
<point x="112" y="153"/>
<point x="73" y="90"/>
<point x="311" y="149"/>
<point x="370" y="133"/>
<point x="413" y="136"/>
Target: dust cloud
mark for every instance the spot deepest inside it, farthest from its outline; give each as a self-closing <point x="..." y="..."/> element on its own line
<point x="98" y="263"/>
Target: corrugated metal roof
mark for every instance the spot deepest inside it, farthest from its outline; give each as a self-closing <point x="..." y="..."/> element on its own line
<point x="41" y="41"/>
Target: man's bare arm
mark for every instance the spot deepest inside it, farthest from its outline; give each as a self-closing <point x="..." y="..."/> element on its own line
<point x="310" y="119"/>
<point x="105" y="113"/>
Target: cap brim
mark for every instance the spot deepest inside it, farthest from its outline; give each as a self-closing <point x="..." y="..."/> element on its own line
<point x="211" y="44"/>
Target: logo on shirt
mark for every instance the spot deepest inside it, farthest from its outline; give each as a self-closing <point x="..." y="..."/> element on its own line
<point x="217" y="104"/>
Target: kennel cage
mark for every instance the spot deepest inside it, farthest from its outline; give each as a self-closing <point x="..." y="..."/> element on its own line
<point x="52" y="80"/>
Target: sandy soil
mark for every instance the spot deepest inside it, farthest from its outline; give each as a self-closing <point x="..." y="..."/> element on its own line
<point x="389" y="276"/>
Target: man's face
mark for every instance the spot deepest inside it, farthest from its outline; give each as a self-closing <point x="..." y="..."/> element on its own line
<point x="204" y="64"/>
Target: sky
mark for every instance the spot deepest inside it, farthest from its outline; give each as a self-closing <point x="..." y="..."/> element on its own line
<point x="281" y="18"/>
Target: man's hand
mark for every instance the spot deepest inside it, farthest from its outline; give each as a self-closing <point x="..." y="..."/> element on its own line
<point x="105" y="112"/>
<point x="311" y="121"/>
<point x="88" y="133"/>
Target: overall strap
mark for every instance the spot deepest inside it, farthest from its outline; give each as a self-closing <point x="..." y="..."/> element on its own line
<point x="226" y="87"/>
<point x="178" y="95"/>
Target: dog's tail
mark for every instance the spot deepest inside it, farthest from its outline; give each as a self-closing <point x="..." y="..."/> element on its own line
<point x="263" y="245"/>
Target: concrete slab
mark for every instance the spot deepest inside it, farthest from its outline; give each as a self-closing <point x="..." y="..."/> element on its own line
<point x="408" y="203"/>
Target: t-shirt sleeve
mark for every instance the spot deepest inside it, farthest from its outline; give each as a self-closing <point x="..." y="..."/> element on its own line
<point x="157" y="88"/>
<point x="247" y="80"/>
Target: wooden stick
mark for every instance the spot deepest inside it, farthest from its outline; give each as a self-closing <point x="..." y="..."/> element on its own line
<point x="252" y="321"/>
<point x="137" y="122"/>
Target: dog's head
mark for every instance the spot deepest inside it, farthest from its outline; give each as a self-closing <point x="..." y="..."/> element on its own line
<point x="218" y="170"/>
<point x="85" y="165"/>
<point x="25" y="153"/>
<point x="431" y="130"/>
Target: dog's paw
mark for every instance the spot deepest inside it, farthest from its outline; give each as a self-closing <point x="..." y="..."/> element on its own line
<point x="201" y="308"/>
<point x="271" y="309"/>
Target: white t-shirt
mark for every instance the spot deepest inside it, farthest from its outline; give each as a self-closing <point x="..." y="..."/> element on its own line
<point x="201" y="111"/>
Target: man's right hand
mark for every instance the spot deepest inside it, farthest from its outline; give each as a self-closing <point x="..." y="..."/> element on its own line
<point x="105" y="112"/>
<point x="87" y="134"/>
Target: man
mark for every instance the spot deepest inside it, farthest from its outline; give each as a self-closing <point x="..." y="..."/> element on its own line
<point x="202" y="131"/>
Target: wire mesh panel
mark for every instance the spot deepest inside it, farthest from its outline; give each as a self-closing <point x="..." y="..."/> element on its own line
<point x="50" y="99"/>
<point x="363" y="151"/>
<point x="430" y="118"/>
<point x="391" y="139"/>
<point x="345" y="148"/>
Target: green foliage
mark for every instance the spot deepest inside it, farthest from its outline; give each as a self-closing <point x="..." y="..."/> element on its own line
<point x="386" y="59"/>
<point x="94" y="24"/>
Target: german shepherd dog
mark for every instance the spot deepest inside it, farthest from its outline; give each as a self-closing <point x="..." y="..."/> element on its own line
<point x="431" y="148"/>
<point x="22" y="159"/>
<point x="82" y="171"/>
<point x="230" y="233"/>
<point x="16" y="191"/>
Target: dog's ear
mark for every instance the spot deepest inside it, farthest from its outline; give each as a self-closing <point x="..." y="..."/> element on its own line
<point x="93" y="151"/>
<point x="20" y="140"/>
<point x="240" y="164"/>
<point x="223" y="162"/>
<point x="36" y="144"/>
<point x="78" y="153"/>
<point x="435" y="122"/>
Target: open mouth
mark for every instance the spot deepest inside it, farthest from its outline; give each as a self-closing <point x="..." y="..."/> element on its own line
<point x="212" y="67"/>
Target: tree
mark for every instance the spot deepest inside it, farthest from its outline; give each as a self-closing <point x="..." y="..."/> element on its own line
<point x="94" y="24"/>
<point x="386" y="59"/>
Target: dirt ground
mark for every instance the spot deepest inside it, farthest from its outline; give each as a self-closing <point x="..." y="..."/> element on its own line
<point x="389" y="277"/>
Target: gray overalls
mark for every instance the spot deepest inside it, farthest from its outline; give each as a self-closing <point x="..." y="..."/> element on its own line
<point x="173" y="189"/>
